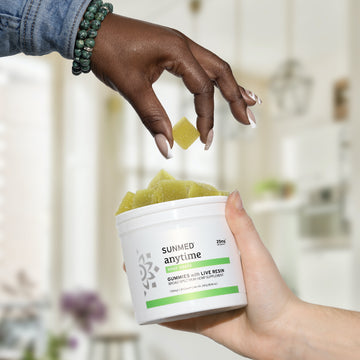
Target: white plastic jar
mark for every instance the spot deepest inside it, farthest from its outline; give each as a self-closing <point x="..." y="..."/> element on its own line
<point x="181" y="259"/>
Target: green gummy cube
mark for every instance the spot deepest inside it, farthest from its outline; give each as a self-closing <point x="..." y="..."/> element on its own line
<point x="164" y="187"/>
<point x="161" y="175"/>
<point x="142" y="198"/>
<point x="167" y="190"/>
<point x="199" y="189"/>
<point x="185" y="133"/>
<point x="126" y="203"/>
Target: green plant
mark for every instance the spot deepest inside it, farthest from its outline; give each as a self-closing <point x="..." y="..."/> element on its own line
<point x="267" y="186"/>
<point x="280" y="188"/>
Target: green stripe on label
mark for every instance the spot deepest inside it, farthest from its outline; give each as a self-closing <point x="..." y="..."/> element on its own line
<point x="197" y="264"/>
<point x="192" y="296"/>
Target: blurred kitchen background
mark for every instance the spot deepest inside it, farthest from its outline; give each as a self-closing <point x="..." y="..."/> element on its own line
<point x="70" y="148"/>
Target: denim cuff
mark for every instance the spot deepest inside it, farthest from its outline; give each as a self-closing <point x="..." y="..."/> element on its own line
<point x="51" y="25"/>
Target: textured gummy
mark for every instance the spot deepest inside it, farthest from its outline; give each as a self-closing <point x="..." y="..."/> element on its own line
<point x="142" y="198"/>
<point x="185" y="133"/>
<point x="167" y="190"/>
<point x="164" y="187"/>
<point x="161" y="175"/>
<point x="198" y="189"/>
<point x="126" y="203"/>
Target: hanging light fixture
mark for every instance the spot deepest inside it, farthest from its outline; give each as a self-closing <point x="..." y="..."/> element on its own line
<point x="195" y="6"/>
<point x="290" y="85"/>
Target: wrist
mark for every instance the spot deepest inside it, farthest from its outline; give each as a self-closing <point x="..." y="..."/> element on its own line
<point x="87" y="33"/>
<point x="291" y="340"/>
<point x="328" y="333"/>
<point x="285" y="340"/>
<point x="317" y="332"/>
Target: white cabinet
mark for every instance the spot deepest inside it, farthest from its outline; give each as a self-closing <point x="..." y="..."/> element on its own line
<point x="313" y="158"/>
<point x="325" y="275"/>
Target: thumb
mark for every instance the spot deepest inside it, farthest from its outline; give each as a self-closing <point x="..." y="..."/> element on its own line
<point x="253" y="251"/>
<point x="267" y="292"/>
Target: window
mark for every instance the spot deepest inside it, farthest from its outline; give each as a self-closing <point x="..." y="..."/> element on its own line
<point x="25" y="123"/>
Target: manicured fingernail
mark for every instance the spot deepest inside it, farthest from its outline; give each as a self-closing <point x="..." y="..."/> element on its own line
<point x="253" y="96"/>
<point x="163" y="146"/>
<point x="251" y="118"/>
<point x="236" y="198"/>
<point x="209" y="139"/>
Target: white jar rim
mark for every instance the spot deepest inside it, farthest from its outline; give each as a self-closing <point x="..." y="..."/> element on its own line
<point x="170" y="211"/>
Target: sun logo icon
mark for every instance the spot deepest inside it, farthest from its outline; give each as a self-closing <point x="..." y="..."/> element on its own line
<point x="147" y="271"/>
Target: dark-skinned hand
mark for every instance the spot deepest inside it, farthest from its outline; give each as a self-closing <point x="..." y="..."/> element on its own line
<point x="130" y="55"/>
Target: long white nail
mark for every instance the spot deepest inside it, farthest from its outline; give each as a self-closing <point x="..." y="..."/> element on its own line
<point x="163" y="146"/>
<point x="253" y="96"/>
<point x="251" y="118"/>
<point x="209" y="139"/>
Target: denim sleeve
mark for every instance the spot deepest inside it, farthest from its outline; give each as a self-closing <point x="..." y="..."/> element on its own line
<point x="38" y="27"/>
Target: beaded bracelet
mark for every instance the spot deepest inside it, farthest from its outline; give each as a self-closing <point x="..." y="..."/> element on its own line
<point x="85" y="40"/>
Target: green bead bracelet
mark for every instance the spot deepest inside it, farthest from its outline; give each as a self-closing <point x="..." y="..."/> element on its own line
<point x="85" y="39"/>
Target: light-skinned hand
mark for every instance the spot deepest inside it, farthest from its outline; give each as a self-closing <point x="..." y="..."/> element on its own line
<point x="275" y="324"/>
<point x="271" y="304"/>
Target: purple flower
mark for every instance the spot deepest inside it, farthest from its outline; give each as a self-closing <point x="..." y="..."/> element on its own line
<point x="85" y="307"/>
<point x="72" y="343"/>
